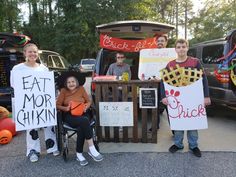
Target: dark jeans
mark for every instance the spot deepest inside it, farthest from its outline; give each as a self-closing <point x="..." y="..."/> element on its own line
<point x="84" y="131"/>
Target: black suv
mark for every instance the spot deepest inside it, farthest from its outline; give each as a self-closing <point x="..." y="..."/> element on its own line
<point x="11" y="46"/>
<point x="222" y="88"/>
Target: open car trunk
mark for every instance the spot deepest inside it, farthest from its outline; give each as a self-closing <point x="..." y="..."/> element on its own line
<point x="128" y="37"/>
<point x="134" y="29"/>
<point x="10" y="54"/>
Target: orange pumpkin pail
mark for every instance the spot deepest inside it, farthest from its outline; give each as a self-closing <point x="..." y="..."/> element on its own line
<point x="76" y="108"/>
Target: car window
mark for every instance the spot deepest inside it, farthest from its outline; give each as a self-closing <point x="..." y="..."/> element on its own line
<point x="57" y="61"/>
<point x="211" y="53"/>
<point x="88" y="62"/>
<point x="132" y="58"/>
<point x="43" y="57"/>
<point x="192" y="52"/>
<point x="49" y="62"/>
<point x="66" y="63"/>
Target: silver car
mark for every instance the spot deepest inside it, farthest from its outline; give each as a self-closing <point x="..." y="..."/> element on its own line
<point x="87" y="65"/>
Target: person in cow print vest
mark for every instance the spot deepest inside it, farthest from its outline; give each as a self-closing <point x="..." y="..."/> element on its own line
<point x="32" y="138"/>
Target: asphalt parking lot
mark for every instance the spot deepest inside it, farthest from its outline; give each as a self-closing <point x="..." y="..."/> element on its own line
<point x="218" y="145"/>
<point x="136" y="160"/>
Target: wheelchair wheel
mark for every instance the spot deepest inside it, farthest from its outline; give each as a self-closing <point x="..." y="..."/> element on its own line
<point x="65" y="154"/>
<point x="65" y="146"/>
<point x="59" y="131"/>
<point x="95" y="139"/>
<point x="96" y="145"/>
<point x="59" y="137"/>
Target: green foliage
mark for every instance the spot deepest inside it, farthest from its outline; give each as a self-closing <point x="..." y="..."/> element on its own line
<point x="214" y="21"/>
<point x="68" y="26"/>
<point x="9" y="18"/>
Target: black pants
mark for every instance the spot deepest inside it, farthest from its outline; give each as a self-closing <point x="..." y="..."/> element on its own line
<point x="84" y="131"/>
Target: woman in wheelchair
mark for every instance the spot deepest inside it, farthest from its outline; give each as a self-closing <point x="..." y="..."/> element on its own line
<point x="74" y="91"/>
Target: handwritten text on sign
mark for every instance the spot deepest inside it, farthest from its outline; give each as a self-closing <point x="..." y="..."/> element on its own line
<point x="148" y="98"/>
<point x="34" y="99"/>
<point x="151" y="61"/>
<point x="116" y="114"/>
<point x="186" y="106"/>
<point x="126" y="45"/>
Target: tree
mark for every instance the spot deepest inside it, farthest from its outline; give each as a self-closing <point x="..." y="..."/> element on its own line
<point x="9" y="18"/>
<point x="214" y="21"/>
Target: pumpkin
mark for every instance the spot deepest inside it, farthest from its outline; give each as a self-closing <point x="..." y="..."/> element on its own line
<point x="5" y="136"/>
<point x="8" y="124"/>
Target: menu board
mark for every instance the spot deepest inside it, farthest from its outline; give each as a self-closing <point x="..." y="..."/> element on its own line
<point x="148" y="98"/>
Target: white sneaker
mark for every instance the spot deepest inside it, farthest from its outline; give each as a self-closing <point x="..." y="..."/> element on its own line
<point x="33" y="156"/>
<point x="96" y="158"/>
<point x="56" y="153"/>
<point x="82" y="162"/>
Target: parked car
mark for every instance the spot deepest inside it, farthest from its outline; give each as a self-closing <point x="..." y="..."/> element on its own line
<point x="222" y="89"/>
<point x="87" y="65"/>
<point x="11" y="53"/>
<point x="126" y="30"/>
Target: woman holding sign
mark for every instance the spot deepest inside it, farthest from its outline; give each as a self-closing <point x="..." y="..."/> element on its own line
<point x="31" y="54"/>
<point x="74" y="93"/>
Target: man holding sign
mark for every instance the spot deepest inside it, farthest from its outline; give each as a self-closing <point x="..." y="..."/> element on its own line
<point x="34" y="106"/>
<point x="182" y="116"/>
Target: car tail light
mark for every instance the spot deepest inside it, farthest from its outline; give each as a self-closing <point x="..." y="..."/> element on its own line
<point x="93" y="85"/>
<point x="222" y="76"/>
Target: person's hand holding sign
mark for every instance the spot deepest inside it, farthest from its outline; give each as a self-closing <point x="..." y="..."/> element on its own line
<point x="207" y="101"/>
<point x="165" y="101"/>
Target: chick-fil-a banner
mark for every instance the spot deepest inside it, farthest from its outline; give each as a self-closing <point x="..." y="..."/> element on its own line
<point x="35" y="104"/>
<point x="126" y="45"/>
<point x="186" y="106"/>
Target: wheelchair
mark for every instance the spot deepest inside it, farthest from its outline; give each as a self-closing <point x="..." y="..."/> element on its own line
<point x="65" y="132"/>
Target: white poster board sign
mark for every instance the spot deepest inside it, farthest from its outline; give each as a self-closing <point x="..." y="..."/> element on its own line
<point x="116" y="114"/>
<point x="151" y="61"/>
<point x="35" y="103"/>
<point x="186" y="106"/>
<point x="148" y="97"/>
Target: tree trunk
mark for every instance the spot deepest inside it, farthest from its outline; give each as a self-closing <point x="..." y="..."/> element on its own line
<point x="186" y="20"/>
<point x="177" y="19"/>
<point x="50" y="12"/>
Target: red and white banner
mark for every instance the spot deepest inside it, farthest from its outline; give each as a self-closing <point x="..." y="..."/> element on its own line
<point x="126" y="45"/>
<point x="186" y="106"/>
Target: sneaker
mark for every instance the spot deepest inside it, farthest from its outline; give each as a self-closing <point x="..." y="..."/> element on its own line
<point x="196" y="151"/>
<point x="82" y="162"/>
<point x="56" y="153"/>
<point x="33" y="156"/>
<point x="174" y="148"/>
<point x="96" y="158"/>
